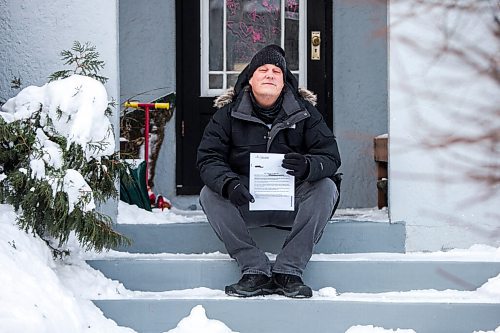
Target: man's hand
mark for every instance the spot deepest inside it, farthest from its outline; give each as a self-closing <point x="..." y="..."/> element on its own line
<point x="238" y="194"/>
<point x="297" y="164"/>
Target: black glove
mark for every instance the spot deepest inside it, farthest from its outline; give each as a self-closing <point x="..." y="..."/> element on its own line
<point x="297" y="164"/>
<point x="238" y="194"/>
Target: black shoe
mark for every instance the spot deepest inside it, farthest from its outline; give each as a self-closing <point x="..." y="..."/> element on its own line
<point x="291" y="286"/>
<point x="251" y="285"/>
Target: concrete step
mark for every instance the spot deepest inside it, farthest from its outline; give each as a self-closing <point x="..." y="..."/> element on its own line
<point x="339" y="237"/>
<point x="345" y="276"/>
<point x="280" y="315"/>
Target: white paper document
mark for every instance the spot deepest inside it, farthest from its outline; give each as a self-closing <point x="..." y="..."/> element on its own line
<point x="270" y="185"/>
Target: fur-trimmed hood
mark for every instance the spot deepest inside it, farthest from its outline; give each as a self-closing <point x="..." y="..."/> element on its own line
<point x="229" y="95"/>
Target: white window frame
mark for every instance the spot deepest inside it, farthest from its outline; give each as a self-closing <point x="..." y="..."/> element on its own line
<point x="204" y="37"/>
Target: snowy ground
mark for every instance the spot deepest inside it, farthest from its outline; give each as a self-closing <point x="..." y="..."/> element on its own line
<point x="175" y="215"/>
<point x="47" y="295"/>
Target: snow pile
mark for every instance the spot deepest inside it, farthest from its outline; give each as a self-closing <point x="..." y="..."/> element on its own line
<point x="489" y="292"/>
<point x="491" y="288"/>
<point x="35" y="300"/>
<point x="362" y="214"/>
<point x="372" y="329"/>
<point x="131" y="214"/>
<point x="328" y="292"/>
<point x="75" y="186"/>
<point x="197" y="322"/>
<point x="497" y="330"/>
<point x="75" y="107"/>
<point x="477" y="252"/>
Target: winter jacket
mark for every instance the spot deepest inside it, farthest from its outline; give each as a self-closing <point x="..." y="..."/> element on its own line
<point x="233" y="133"/>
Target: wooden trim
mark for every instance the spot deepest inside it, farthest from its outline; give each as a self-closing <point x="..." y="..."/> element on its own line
<point x="380" y="146"/>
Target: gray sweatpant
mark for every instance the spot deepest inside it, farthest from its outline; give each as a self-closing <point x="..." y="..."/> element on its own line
<point x="313" y="207"/>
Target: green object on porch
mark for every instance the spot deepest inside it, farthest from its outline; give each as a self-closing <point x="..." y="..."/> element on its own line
<point x="133" y="189"/>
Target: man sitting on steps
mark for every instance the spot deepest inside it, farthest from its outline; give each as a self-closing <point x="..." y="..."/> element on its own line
<point x="267" y="113"/>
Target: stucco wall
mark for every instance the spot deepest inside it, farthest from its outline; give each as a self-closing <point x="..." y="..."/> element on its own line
<point x="360" y="97"/>
<point x="33" y="33"/>
<point x="147" y="67"/>
<point x="441" y="104"/>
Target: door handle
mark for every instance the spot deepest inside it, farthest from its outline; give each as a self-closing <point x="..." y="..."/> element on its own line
<point x="315" y="45"/>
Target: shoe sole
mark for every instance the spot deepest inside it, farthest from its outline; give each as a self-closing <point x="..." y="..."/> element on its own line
<point x="301" y="293"/>
<point x="244" y="293"/>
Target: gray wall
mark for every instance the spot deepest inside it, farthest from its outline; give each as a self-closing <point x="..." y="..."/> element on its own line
<point x="34" y="32"/>
<point x="360" y="93"/>
<point x="147" y="67"/>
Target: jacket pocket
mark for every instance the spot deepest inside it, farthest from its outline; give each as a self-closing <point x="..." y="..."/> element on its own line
<point x="292" y="138"/>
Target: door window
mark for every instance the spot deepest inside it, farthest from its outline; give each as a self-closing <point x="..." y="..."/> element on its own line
<point x="232" y="31"/>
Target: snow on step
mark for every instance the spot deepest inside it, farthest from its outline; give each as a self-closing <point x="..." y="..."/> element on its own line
<point x="279" y="314"/>
<point x="345" y="276"/>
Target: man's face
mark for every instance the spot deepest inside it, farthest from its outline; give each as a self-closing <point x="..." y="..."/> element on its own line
<point x="267" y="83"/>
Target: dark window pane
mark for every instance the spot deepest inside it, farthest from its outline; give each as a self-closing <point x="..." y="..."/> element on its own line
<point x="215" y="81"/>
<point x="215" y="32"/>
<point x="231" y="80"/>
<point x="292" y="34"/>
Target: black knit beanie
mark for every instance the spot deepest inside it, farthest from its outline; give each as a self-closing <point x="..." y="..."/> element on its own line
<point x="271" y="54"/>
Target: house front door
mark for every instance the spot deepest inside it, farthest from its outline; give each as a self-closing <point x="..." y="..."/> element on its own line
<point x="215" y="41"/>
